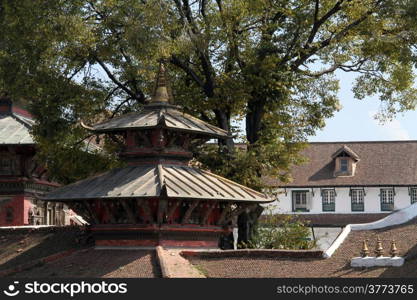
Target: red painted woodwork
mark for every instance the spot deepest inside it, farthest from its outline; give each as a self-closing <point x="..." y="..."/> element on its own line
<point x="26" y="180"/>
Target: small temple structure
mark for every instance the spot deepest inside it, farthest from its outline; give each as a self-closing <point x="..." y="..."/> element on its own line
<point x="22" y="179"/>
<point x="158" y="198"/>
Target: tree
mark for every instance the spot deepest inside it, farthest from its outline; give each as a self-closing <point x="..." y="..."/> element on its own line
<point x="270" y="63"/>
<point x="280" y="232"/>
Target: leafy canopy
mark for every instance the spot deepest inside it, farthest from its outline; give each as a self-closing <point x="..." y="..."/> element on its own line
<point x="268" y="63"/>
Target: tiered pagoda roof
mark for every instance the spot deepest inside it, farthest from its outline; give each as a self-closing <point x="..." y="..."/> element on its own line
<point x="159" y="195"/>
<point x="161" y="115"/>
<point x="174" y="181"/>
<point x="15" y="125"/>
<point x="144" y="180"/>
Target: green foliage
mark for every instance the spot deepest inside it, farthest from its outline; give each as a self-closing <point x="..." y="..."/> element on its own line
<point x="251" y="164"/>
<point x="280" y="232"/>
<point x="269" y="63"/>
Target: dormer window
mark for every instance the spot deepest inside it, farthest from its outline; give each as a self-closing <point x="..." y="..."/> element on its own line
<point x="345" y="162"/>
<point x="344" y="165"/>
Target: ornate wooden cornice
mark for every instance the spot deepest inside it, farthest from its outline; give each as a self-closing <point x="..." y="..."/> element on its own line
<point x="7" y="188"/>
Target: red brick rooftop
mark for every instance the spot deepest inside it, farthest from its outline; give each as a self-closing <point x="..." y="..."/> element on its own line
<point x="24" y="247"/>
<point x="336" y="266"/>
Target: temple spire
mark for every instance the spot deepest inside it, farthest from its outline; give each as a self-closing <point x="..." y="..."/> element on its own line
<point x="161" y="91"/>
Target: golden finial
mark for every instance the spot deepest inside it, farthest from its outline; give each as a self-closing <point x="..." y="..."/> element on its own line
<point x="161" y="90"/>
<point x="379" y="251"/>
<point x="365" y="249"/>
<point x="394" y="250"/>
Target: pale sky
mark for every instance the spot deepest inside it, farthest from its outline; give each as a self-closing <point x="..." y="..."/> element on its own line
<point x="355" y="121"/>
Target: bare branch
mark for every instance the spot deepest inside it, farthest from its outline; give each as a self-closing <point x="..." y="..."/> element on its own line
<point x="83" y="139"/>
<point x="119" y="106"/>
<point x="317" y="23"/>
<point x="203" y="4"/>
<point x="316" y="11"/>
<point x="190" y="72"/>
<point x="334" y="38"/>
<point x="114" y="79"/>
<point x="77" y="70"/>
<point x="356" y="67"/>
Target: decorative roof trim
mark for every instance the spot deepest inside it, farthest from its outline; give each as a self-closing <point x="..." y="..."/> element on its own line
<point x="348" y="151"/>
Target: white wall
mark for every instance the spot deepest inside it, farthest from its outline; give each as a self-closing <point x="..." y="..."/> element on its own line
<point x="343" y="201"/>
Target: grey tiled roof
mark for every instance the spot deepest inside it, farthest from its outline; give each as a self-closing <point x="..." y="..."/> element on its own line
<point x="164" y="115"/>
<point x="386" y="163"/>
<point x="149" y="181"/>
<point x="14" y="129"/>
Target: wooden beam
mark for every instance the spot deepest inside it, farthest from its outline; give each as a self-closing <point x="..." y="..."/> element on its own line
<point x="187" y="214"/>
<point x="109" y="210"/>
<point x="208" y="211"/>
<point x="147" y="211"/>
<point x="91" y="212"/>
<point x="172" y="209"/>
<point x="130" y="215"/>
<point x="139" y="203"/>
<point x="224" y="213"/>
<point x="162" y="206"/>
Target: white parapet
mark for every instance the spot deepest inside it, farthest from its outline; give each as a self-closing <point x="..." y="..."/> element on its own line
<point x="337" y="242"/>
<point x="395" y="218"/>
<point x="382" y="261"/>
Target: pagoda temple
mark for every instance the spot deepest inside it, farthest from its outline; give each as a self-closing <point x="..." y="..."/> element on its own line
<point x="22" y="179"/>
<point x="158" y="198"/>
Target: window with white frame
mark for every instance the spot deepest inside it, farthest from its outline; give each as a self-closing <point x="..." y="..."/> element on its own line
<point x="328" y="200"/>
<point x="357" y="198"/>
<point x="387" y="199"/>
<point x="300" y="200"/>
<point x="413" y="195"/>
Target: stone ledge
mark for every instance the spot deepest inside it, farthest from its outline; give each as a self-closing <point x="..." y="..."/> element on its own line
<point x="271" y="253"/>
<point x="40" y="229"/>
<point x="173" y="265"/>
<point x="382" y="261"/>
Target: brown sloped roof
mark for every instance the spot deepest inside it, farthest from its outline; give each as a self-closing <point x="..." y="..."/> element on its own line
<point x="386" y="163"/>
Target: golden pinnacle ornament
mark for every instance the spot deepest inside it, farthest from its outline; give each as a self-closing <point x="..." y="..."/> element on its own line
<point x="365" y="249"/>
<point x="394" y="250"/>
<point x="379" y="251"/>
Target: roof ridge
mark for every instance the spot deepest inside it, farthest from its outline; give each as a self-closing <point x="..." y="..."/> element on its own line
<point x="22" y="119"/>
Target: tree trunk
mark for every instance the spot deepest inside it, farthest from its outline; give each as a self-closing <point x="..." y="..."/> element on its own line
<point x="253" y="126"/>
<point x="223" y="120"/>
<point x="254" y="119"/>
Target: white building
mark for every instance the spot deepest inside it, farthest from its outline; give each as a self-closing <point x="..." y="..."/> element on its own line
<point x="354" y="181"/>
